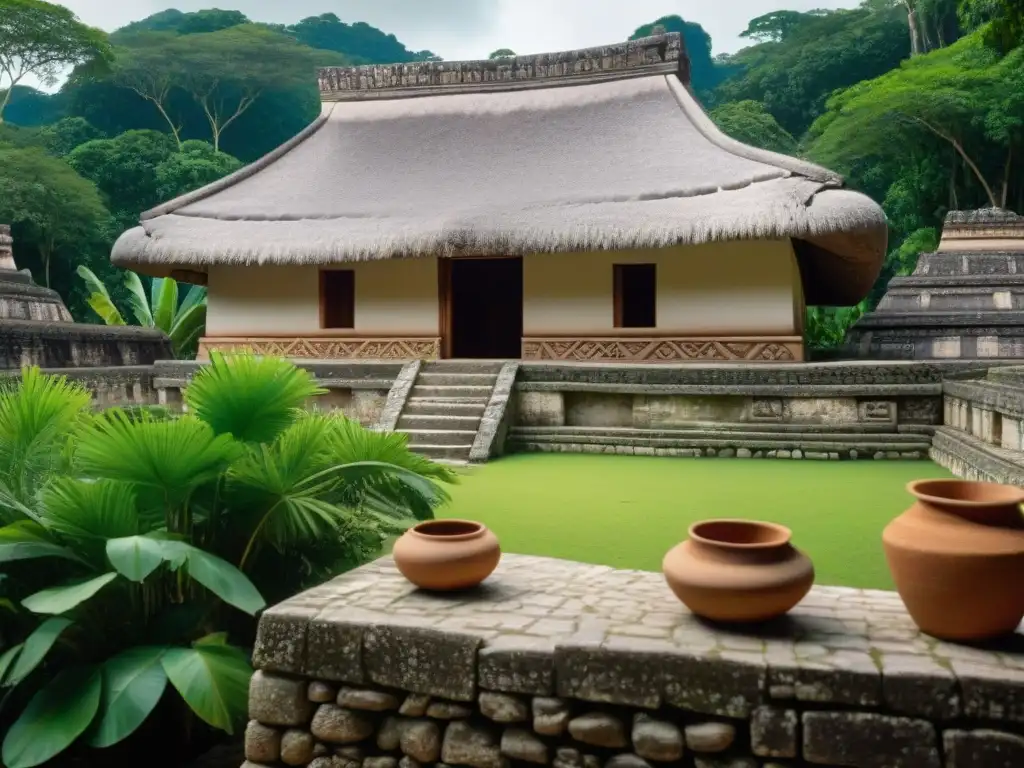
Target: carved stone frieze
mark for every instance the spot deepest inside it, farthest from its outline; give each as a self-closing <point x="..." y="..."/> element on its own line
<point x="328" y="348"/>
<point x="920" y="410"/>
<point x="766" y="410"/>
<point x="663" y="349"/>
<point x="878" y="411"/>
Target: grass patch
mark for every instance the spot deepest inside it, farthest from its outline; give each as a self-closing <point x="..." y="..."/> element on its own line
<point x="627" y="511"/>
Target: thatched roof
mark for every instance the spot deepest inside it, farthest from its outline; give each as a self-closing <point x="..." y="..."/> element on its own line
<point x="601" y="149"/>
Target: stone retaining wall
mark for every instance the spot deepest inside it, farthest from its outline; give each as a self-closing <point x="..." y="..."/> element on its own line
<point x="578" y="666"/>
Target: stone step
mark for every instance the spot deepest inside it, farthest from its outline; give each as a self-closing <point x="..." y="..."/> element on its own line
<point x="834" y="451"/>
<point x="419" y="437"/>
<point x="708" y="428"/>
<point x="456" y="392"/>
<point x="442" y="379"/>
<point x="418" y="421"/>
<point x="642" y="436"/>
<point x="462" y="366"/>
<point x="971" y="458"/>
<point x="446" y="453"/>
<point x="442" y="406"/>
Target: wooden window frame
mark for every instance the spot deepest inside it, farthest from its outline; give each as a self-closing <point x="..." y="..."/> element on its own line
<point x="618" y="295"/>
<point x="350" y="320"/>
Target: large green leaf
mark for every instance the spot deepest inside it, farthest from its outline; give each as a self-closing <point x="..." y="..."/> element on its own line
<point x="138" y="300"/>
<point x="99" y="297"/>
<point x="164" y="302"/>
<point x="36" y="646"/>
<point x="27" y="541"/>
<point x="189" y="325"/>
<point x="7" y="659"/>
<point x="56" y="716"/>
<point x="135" y="557"/>
<point x="58" y="600"/>
<point x="173" y="456"/>
<point x="133" y="682"/>
<point x="225" y="581"/>
<point x="213" y="680"/>
<point x="253" y="398"/>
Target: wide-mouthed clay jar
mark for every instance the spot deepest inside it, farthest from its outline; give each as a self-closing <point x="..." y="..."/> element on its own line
<point x="444" y="555"/>
<point x="738" y="571"/>
<point x="957" y="557"/>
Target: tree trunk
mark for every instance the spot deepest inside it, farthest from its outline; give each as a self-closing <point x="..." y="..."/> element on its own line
<point x="915" y="35"/>
<point x="963" y="153"/>
<point x="953" y="204"/>
<point x="1006" y="177"/>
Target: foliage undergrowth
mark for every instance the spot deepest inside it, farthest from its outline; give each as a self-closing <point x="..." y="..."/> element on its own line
<point x="137" y="547"/>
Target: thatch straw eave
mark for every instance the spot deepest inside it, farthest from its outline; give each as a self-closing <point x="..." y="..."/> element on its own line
<point x="444" y="162"/>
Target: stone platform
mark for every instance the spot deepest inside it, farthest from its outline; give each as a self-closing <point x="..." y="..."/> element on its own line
<point x="579" y="666"/>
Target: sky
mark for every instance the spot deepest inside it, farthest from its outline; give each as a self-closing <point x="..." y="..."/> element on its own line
<point x="471" y="29"/>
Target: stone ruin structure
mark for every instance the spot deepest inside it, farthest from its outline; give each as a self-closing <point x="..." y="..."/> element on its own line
<point x="965" y="301"/>
<point x="36" y="327"/>
<point x="570" y="665"/>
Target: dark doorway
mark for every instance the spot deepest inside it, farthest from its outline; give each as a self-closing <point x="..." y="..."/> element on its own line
<point x="485" y="308"/>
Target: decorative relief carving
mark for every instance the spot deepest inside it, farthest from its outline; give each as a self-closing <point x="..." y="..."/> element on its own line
<point x="662" y="350"/>
<point x="337" y="348"/>
<point x="880" y="410"/>
<point x="920" y="410"/>
<point x="767" y="410"/>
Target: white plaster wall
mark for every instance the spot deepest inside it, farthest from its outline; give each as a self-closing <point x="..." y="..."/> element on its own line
<point x="721" y="288"/>
<point x="397" y="297"/>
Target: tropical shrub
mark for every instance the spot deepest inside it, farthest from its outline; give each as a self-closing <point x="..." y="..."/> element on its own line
<point x="182" y="320"/>
<point x="136" y="548"/>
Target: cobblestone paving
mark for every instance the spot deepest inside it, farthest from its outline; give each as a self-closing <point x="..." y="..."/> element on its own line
<point x="544" y="626"/>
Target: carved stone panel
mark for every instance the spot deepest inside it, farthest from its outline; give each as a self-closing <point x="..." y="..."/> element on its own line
<point x="920" y="410"/>
<point x="766" y="410"/>
<point x="877" y="411"/>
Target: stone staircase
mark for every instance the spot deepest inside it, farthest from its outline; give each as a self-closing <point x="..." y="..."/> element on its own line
<point x="443" y="411"/>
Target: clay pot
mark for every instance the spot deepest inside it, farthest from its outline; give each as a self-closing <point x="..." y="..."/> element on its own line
<point x="957" y="557"/>
<point x="444" y="555"/>
<point x="738" y="571"/>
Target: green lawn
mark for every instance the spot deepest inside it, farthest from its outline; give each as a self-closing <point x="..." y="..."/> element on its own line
<point x="628" y="511"/>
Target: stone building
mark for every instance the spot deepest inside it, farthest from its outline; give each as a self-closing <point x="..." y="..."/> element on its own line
<point x="966" y="300"/>
<point x="577" y="206"/>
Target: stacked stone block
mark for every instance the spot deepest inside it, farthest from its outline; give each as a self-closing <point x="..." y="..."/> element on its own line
<point x="576" y="666"/>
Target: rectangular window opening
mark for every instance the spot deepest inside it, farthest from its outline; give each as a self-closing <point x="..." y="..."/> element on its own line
<point x="635" y="295"/>
<point x="338" y="298"/>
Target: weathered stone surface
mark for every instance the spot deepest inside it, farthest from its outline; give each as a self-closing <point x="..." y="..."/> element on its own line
<point x="736" y="762"/>
<point x="656" y="739"/>
<point x="422" y="660"/>
<point x="844" y="677"/>
<point x="340" y="726"/>
<point x="773" y="732"/>
<point x="297" y="747"/>
<point x="502" y="708"/>
<point x="627" y="761"/>
<point x="421" y="740"/>
<point x="389" y="735"/>
<point x="448" y="710"/>
<point x="710" y="737"/>
<point x="262" y="743"/>
<point x="325" y="762"/>
<point x="334" y="649"/>
<point x="550" y="716"/>
<point x="408" y="762"/>
<point x="915" y="684"/>
<point x="415" y="705"/>
<point x="591" y="761"/>
<point x="475" y="746"/>
<point x="517" y="664"/>
<point x="728" y="685"/>
<point x="321" y="693"/>
<point x="380" y="762"/>
<point x="991" y="691"/>
<point x="276" y="700"/>
<point x="520" y="744"/>
<point x="374" y="701"/>
<point x="591" y="673"/>
<point x="868" y="740"/>
<point x="599" y="729"/>
<point x="983" y="749"/>
<point x="566" y="757"/>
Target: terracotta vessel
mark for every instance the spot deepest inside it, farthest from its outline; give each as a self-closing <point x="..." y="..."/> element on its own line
<point x="957" y="557"/>
<point x="738" y="571"/>
<point x="444" y="555"/>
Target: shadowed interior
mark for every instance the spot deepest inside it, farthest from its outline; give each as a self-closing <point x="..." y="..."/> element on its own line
<point x="741" y="532"/>
<point x="447" y="528"/>
<point x="959" y="490"/>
